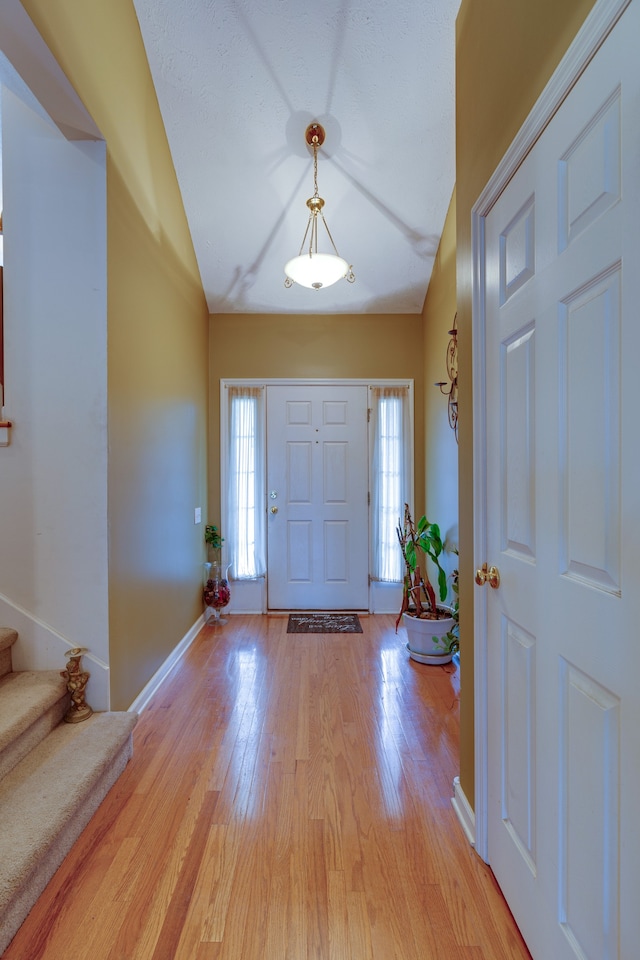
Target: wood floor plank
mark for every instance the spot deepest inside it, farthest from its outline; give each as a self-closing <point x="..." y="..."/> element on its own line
<point x="220" y="862"/>
<point x="339" y="942"/>
<point x="359" y="930"/>
<point x="208" y="951"/>
<point x="289" y="798"/>
<point x="176" y="920"/>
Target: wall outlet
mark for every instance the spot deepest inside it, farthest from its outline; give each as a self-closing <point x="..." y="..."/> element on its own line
<point x="198" y="515"/>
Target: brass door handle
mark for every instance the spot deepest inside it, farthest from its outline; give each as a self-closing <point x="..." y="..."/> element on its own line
<point x="481" y="575"/>
<point x="274" y="509"/>
<point x="490" y="575"/>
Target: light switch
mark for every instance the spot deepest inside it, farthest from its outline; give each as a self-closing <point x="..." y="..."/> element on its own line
<point x="198" y="515"/>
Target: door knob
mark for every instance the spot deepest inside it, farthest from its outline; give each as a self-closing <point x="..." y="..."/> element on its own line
<point x="481" y="575"/>
<point x="490" y="575"/>
<point x="274" y="509"/>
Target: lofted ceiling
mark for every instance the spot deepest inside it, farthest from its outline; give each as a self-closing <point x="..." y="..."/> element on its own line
<point x="238" y="82"/>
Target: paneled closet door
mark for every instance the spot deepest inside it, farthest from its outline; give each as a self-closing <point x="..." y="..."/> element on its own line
<point x="563" y="521"/>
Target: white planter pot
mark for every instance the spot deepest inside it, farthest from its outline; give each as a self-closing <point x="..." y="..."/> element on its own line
<point x="423" y="635"/>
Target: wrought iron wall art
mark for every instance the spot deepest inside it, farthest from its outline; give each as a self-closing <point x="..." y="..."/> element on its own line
<point x="450" y="389"/>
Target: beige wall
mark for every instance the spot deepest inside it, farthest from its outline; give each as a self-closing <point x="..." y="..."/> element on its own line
<point x="314" y="346"/>
<point x="505" y="53"/>
<point x="441" y="449"/>
<point x="157" y="345"/>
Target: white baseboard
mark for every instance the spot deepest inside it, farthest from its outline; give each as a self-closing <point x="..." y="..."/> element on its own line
<point x="161" y="674"/>
<point x="464" y="812"/>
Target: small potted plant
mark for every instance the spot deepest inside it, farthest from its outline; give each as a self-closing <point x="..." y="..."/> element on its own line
<point x="430" y="624"/>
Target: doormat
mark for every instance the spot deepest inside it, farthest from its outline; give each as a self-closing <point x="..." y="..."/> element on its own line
<point x="324" y="623"/>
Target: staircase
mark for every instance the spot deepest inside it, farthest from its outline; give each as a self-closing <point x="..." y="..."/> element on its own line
<point x="53" y="777"/>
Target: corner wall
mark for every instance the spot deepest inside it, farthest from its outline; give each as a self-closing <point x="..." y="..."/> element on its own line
<point x="441" y="449"/>
<point x="53" y="508"/>
<point x="157" y="345"/>
<point x="505" y="54"/>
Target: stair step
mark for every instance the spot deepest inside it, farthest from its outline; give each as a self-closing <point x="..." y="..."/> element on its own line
<point x="47" y="800"/>
<point x="32" y="703"/>
<point x="7" y="639"/>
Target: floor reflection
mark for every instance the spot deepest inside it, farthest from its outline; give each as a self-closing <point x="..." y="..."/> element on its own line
<point x="245" y="669"/>
<point x="390" y="733"/>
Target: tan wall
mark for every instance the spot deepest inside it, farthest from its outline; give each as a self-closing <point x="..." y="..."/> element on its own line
<point x="505" y="54"/>
<point x="441" y="449"/>
<point x="157" y="345"/>
<point x="314" y="346"/>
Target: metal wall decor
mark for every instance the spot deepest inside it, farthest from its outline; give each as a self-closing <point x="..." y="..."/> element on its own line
<point x="450" y="389"/>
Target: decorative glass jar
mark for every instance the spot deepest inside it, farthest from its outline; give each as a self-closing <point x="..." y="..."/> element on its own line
<point x="216" y="592"/>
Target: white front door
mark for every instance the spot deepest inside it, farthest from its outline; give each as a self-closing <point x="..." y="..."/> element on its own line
<point x="562" y="290"/>
<point x="317" y="497"/>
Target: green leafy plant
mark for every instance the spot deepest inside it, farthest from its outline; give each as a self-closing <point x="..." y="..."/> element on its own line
<point x="212" y="537"/>
<point x="452" y="638"/>
<point x="423" y="538"/>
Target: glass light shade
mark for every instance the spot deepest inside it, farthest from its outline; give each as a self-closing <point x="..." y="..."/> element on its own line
<point x="316" y="270"/>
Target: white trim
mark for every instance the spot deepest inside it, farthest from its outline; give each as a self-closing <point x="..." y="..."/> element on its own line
<point x="163" y="671"/>
<point x="479" y="537"/>
<point x="464" y="812"/>
<point x="318" y="381"/>
<point x="596" y="28"/>
<point x="375" y="596"/>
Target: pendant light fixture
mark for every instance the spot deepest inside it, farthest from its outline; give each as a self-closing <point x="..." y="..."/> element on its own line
<point x="310" y="268"/>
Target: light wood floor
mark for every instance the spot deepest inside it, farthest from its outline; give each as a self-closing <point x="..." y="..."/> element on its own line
<point x="289" y="797"/>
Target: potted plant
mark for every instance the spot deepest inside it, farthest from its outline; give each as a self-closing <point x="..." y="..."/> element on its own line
<point x="430" y="624"/>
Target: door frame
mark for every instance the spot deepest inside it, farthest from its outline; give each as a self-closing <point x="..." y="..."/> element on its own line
<point x="596" y="28"/>
<point x="250" y="596"/>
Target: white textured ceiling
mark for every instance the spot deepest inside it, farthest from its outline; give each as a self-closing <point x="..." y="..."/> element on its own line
<point x="238" y="81"/>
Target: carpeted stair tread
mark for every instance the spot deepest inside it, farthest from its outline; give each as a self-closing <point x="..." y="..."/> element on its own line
<point x="48" y="799"/>
<point x="32" y="703"/>
<point x="43" y="788"/>
<point x="24" y="696"/>
<point x="7" y="639"/>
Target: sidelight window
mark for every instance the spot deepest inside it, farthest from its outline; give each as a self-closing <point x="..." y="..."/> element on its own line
<point x="390" y="477"/>
<point x="245" y="519"/>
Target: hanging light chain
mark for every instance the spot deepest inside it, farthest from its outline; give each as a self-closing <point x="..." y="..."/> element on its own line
<point x="350" y="276"/>
<point x="315" y="166"/>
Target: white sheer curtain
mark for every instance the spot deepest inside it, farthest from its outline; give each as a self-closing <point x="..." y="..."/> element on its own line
<point x="246" y="493"/>
<point x="390" y="477"/>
